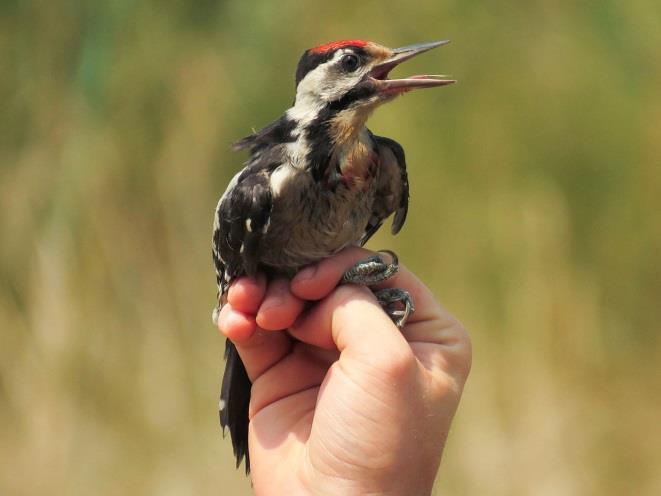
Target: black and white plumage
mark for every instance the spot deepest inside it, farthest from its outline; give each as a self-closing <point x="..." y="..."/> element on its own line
<point x="317" y="181"/>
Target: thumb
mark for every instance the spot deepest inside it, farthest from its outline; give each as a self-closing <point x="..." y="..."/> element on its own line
<point x="352" y="321"/>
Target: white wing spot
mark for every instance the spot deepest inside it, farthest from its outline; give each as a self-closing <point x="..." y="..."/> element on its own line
<point x="249" y="225"/>
<point x="221" y="405"/>
<point x="241" y="249"/>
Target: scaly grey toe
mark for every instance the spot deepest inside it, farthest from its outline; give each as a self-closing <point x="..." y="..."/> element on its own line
<point x="397" y="303"/>
<point x="371" y="271"/>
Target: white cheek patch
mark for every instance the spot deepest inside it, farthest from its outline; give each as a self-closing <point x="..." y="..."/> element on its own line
<point x="321" y="86"/>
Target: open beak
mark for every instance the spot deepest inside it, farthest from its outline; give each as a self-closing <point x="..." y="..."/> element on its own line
<point x="379" y="73"/>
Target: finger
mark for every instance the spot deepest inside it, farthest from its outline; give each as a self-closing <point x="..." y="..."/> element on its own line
<point x="317" y="281"/>
<point x="236" y="325"/>
<point x="262" y="350"/>
<point x="441" y="350"/>
<point x="439" y="340"/>
<point x="246" y="293"/>
<point x="280" y="307"/>
<point x="259" y="350"/>
<point x="351" y="320"/>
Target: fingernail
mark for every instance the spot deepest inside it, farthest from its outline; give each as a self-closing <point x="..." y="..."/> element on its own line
<point x="276" y="295"/>
<point x="272" y="301"/>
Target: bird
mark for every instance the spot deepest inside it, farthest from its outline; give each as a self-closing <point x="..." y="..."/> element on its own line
<point x="317" y="180"/>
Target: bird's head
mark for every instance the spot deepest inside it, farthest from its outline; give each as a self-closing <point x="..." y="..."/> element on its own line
<point x="351" y="77"/>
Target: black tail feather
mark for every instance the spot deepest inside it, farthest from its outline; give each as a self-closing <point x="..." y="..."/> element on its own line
<point x="234" y="401"/>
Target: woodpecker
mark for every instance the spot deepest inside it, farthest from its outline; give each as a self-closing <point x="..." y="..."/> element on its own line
<point x="317" y="180"/>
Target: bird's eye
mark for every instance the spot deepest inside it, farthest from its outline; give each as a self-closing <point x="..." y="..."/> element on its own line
<point x="350" y="62"/>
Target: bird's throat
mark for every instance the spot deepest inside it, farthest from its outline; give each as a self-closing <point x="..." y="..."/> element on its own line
<point x="347" y="127"/>
<point x="357" y="160"/>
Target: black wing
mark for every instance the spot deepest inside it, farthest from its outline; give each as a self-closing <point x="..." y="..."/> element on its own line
<point x="393" y="191"/>
<point x="241" y="219"/>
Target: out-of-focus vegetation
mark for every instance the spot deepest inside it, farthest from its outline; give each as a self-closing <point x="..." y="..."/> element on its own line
<point x="535" y="217"/>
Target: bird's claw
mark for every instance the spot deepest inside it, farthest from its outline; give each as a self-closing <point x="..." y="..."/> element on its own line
<point x="372" y="270"/>
<point x="397" y="303"/>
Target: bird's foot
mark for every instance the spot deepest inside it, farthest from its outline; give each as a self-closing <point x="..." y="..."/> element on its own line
<point x="397" y="303"/>
<point x="372" y="270"/>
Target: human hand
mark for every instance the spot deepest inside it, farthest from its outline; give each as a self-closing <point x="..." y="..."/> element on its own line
<point x="342" y="401"/>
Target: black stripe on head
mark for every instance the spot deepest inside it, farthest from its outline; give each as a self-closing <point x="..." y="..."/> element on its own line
<point x="362" y="91"/>
<point x="313" y="57"/>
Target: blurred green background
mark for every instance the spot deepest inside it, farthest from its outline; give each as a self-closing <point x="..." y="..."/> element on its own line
<point x="535" y="218"/>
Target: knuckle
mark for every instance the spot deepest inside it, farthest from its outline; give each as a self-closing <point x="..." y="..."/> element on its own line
<point x="445" y="387"/>
<point x="462" y="349"/>
<point x="397" y="364"/>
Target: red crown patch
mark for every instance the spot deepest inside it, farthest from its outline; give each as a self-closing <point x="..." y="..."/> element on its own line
<point x="338" y="44"/>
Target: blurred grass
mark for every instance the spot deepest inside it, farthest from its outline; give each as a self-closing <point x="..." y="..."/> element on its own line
<point x="536" y="186"/>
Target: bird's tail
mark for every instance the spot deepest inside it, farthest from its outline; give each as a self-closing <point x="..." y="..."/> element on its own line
<point x="234" y="401"/>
